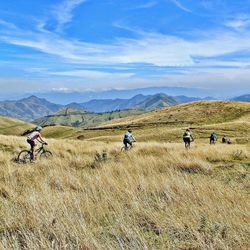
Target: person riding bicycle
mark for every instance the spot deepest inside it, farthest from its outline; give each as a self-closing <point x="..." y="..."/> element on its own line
<point x="128" y="138"/>
<point x="35" y="135"/>
<point x="187" y="138"/>
<point x="213" y="138"/>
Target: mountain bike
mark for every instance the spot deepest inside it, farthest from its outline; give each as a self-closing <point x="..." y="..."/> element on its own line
<point x="123" y="148"/>
<point x="25" y="156"/>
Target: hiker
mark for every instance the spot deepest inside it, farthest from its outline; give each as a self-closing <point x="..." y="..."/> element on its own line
<point x="35" y="135"/>
<point x="187" y="138"/>
<point x="213" y="138"/>
<point x="128" y="139"/>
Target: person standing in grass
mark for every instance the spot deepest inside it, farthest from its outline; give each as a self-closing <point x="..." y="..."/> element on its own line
<point x="187" y="138"/>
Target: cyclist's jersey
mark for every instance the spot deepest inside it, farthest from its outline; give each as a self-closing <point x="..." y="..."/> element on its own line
<point x="33" y="136"/>
<point x="129" y="137"/>
<point x="187" y="135"/>
<point x="213" y="136"/>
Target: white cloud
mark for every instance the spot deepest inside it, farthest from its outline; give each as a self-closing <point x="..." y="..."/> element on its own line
<point x="92" y="74"/>
<point x="147" y="5"/>
<point x="180" y="5"/>
<point x="238" y="23"/>
<point x="148" y="48"/>
<point x="63" y="12"/>
<point x="7" y="24"/>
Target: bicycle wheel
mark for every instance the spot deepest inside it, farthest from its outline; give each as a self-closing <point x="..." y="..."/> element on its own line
<point x="123" y="149"/>
<point x="187" y="145"/>
<point x="24" y="156"/>
<point x="46" y="154"/>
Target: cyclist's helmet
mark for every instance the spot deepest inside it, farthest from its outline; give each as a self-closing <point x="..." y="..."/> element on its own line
<point x="130" y="130"/>
<point x="38" y="128"/>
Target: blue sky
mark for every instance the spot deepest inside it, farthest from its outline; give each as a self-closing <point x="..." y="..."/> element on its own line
<point x="77" y="45"/>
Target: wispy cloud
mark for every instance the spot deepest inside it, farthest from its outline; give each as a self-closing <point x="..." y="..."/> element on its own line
<point x="7" y="24"/>
<point x="63" y="12"/>
<point x="92" y="74"/>
<point x="180" y="5"/>
<point x="240" y="22"/>
<point x="149" y="48"/>
<point x="147" y="5"/>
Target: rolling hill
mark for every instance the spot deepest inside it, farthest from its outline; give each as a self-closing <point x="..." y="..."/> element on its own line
<point x="226" y="118"/>
<point x="81" y="118"/>
<point x="200" y="112"/>
<point x="11" y="126"/>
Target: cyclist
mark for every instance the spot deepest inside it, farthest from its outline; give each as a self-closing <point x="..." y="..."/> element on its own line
<point x="187" y="138"/>
<point x="224" y="139"/>
<point x="35" y="135"/>
<point x="128" y="139"/>
<point x="213" y="138"/>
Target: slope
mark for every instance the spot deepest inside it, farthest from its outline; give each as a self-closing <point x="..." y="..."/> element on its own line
<point x="201" y="112"/>
<point x="10" y="126"/>
<point x="80" y="118"/>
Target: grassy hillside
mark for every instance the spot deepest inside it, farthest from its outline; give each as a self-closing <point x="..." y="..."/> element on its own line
<point x="9" y="126"/>
<point x="156" y="196"/>
<point x="200" y="112"/>
<point x="166" y="129"/>
<point x="78" y="118"/>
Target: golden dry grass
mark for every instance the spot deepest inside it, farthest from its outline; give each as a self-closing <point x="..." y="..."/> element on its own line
<point x="200" y="112"/>
<point x="13" y="126"/>
<point x="156" y="196"/>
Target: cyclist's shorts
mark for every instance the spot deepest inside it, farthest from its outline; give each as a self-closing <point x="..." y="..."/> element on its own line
<point x="187" y="140"/>
<point x="32" y="143"/>
<point x="125" y="141"/>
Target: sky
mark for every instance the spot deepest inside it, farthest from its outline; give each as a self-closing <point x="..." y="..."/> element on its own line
<point x="80" y="45"/>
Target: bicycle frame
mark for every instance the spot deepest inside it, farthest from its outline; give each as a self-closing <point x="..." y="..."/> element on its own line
<point x="39" y="150"/>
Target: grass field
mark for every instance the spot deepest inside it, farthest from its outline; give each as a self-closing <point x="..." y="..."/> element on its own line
<point x="156" y="196"/>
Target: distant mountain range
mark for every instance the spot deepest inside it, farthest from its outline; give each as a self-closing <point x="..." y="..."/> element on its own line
<point x="243" y="98"/>
<point x="80" y="97"/>
<point x="32" y="108"/>
<point x="28" y="109"/>
<point x="149" y="102"/>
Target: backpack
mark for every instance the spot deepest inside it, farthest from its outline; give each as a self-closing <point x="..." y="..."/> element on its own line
<point x="126" y="136"/>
